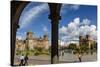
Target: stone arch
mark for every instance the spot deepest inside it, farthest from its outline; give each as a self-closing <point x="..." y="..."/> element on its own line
<point x="16" y="10"/>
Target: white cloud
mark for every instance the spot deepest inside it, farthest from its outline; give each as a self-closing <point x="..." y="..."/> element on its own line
<point x="63" y="30"/>
<point x="85" y="22"/>
<point x="84" y="30"/>
<point x="71" y="27"/>
<point x="32" y="14"/>
<point x="93" y="28"/>
<point x="71" y="31"/>
<point x="45" y="29"/>
<point x="62" y="43"/>
<point x="21" y="36"/>
<point x="89" y="29"/>
<point x="76" y="28"/>
<point x="75" y="7"/>
<point x="66" y="7"/>
<point x="77" y="21"/>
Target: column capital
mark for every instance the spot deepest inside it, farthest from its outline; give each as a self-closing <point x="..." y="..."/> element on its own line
<point x="54" y="17"/>
<point x="16" y="25"/>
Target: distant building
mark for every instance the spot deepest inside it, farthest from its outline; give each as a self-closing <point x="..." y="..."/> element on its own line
<point x="20" y="45"/>
<point x="86" y="40"/>
<point x="31" y="42"/>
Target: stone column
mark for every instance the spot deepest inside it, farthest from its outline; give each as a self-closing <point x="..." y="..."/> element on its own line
<point x="54" y="46"/>
<point x="13" y="40"/>
<point x="14" y="26"/>
<point x="16" y="10"/>
<point x="55" y="17"/>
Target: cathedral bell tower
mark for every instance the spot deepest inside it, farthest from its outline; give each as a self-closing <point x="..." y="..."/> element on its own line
<point x="29" y="41"/>
<point x="45" y="37"/>
<point x="29" y="35"/>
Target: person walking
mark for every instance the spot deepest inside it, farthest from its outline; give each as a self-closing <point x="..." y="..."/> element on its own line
<point x="26" y="59"/>
<point x="21" y="60"/>
<point x="79" y="57"/>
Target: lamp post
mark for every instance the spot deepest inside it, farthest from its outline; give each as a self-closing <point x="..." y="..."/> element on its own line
<point x="54" y="17"/>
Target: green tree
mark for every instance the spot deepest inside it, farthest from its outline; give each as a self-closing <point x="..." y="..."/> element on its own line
<point x="72" y="46"/>
<point x="81" y="50"/>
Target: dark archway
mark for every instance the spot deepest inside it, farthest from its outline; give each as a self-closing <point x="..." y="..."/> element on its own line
<point x="16" y="10"/>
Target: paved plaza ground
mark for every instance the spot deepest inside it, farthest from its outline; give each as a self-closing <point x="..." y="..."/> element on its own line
<point x="67" y="58"/>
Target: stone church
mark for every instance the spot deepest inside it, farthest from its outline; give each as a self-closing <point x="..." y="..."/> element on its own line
<point x="31" y="42"/>
<point x="86" y="40"/>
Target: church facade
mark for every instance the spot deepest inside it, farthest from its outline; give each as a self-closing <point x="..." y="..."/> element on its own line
<point x="86" y="40"/>
<point x="31" y="42"/>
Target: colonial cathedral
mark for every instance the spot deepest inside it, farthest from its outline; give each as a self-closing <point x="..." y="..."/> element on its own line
<point x="31" y="42"/>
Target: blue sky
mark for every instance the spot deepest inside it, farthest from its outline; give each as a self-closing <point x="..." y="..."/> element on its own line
<point x="74" y="19"/>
